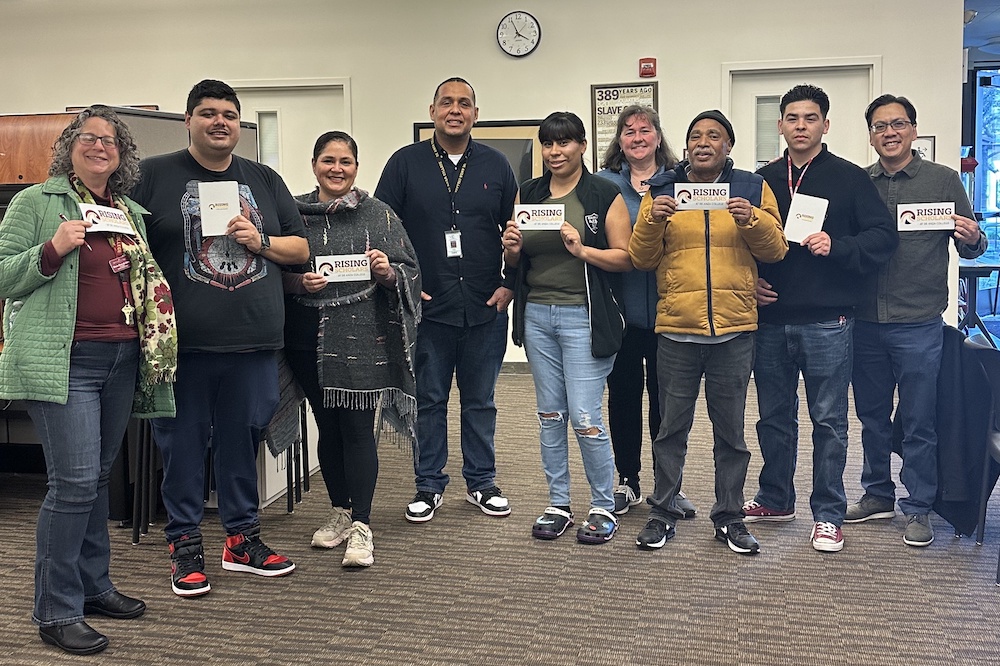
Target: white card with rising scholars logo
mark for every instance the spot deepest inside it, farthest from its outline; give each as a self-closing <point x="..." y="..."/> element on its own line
<point x="105" y="218"/>
<point x="925" y="216"/>
<point x="539" y="217"/>
<point x="344" y="267"/>
<point x="701" y="196"/>
<point x="220" y="203"/>
<point x="805" y="217"/>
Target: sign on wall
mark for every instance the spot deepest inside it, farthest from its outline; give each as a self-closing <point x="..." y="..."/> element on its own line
<point x="606" y="103"/>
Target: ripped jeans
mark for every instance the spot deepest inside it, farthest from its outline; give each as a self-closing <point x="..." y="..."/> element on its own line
<point x="569" y="387"/>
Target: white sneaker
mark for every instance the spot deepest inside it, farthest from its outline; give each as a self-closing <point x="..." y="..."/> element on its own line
<point x="335" y="531"/>
<point x="360" y="547"/>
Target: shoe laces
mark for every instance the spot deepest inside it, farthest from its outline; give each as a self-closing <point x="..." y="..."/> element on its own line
<point x="359" y="537"/>
<point x="490" y="493"/>
<point x="257" y="548"/>
<point x="751" y="505"/>
<point x="337" y="519"/>
<point x="188" y="563"/>
<point x="424" y="496"/>
<point x="737" y="529"/>
<point x="826" y="530"/>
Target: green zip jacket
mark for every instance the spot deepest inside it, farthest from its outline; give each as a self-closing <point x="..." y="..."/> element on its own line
<point x="39" y="315"/>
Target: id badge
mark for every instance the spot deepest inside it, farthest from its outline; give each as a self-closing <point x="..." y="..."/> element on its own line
<point x="453" y="243"/>
<point x="120" y="264"/>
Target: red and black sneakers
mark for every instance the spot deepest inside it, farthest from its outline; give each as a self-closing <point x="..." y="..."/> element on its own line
<point x="247" y="553"/>
<point x="187" y="567"/>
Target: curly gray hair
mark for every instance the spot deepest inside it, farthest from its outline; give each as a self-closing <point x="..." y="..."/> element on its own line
<point x="126" y="175"/>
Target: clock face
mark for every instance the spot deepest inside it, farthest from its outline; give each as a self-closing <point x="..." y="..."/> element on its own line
<point x="518" y="34"/>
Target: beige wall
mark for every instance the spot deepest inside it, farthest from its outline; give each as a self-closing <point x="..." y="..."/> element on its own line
<point x="139" y="52"/>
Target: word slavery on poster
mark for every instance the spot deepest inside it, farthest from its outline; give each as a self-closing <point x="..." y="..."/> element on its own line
<point x="607" y="101"/>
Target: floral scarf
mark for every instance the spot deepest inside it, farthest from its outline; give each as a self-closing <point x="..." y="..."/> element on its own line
<point x="154" y="308"/>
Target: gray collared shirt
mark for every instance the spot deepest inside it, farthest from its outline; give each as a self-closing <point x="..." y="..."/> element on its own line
<point x="913" y="287"/>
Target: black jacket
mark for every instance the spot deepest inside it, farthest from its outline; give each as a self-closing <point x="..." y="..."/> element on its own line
<point x="863" y="237"/>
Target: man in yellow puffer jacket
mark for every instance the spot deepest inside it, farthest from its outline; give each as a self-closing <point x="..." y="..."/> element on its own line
<point x="706" y="274"/>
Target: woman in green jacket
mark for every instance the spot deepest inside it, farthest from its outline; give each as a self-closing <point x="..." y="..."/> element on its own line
<point x="89" y="339"/>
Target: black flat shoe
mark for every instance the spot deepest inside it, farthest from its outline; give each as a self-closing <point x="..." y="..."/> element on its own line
<point x="77" y="638"/>
<point x="115" y="605"/>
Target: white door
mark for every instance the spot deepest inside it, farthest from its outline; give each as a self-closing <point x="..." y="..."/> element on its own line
<point x="289" y="119"/>
<point x="751" y="94"/>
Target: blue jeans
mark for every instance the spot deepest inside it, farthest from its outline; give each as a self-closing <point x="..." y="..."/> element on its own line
<point x="569" y="387"/>
<point x="726" y="368"/>
<point x="822" y="352"/>
<point x="472" y="355"/>
<point x="81" y="440"/>
<point x="225" y="398"/>
<point x="907" y="355"/>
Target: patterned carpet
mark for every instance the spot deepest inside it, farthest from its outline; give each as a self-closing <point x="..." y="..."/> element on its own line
<point x="469" y="589"/>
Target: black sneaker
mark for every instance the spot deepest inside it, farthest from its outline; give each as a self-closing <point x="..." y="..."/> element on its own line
<point x="738" y="538"/>
<point x="422" y="508"/>
<point x="187" y="567"/>
<point x="490" y="501"/>
<point x="247" y="553"/>
<point x="685" y="505"/>
<point x="870" y="507"/>
<point x="600" y="527"/>
<point x="552" y="523"/>
<point x="654" y="535"/>
<point x="625" y="498"/>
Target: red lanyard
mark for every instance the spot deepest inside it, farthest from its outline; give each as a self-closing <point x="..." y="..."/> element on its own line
<point x="793" y="190"/>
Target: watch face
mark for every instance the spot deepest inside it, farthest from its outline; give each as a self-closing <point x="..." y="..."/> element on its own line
<point x="518" y="34"/>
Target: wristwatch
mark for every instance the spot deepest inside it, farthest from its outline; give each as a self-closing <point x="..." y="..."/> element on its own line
<point x="265" y="243"/>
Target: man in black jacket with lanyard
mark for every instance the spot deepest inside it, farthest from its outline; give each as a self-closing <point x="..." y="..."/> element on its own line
<point x="807" y="314"/>
<point x="454" y="197"/>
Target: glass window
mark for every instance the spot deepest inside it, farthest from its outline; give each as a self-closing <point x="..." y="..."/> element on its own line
<point x="987" y="180"/>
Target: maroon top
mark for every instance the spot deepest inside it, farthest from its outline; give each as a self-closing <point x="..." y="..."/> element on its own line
<point x="100" y="296"/>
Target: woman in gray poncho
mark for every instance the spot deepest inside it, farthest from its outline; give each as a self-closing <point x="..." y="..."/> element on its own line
<point x="349" y="334"/>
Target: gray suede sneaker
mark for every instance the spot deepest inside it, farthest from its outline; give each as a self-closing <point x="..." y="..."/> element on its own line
<point x="918" y="532"/>
<point x="870" y="508"/>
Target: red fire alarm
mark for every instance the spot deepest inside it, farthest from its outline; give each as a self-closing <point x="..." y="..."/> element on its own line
<point x="647" y="67"/>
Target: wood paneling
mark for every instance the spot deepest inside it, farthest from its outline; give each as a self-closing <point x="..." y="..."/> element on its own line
<point x="26" y="146"/>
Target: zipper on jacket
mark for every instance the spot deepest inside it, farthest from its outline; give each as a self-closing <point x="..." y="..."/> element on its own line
<point x="708" y="273"/>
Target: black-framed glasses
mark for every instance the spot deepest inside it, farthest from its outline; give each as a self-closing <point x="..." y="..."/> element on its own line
<point x="898" y="125"/>
<point x="88" y="139"/>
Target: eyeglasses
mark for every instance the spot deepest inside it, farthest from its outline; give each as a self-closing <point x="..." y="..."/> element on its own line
<point x="898" y="125"/>
<point x="91" y="139"/>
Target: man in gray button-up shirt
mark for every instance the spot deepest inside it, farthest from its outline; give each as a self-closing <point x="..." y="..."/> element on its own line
<point x="898" y="331"/>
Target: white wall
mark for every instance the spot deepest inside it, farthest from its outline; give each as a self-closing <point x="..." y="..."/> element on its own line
<point x="136" y="51"/>
<point x="139" y="52"/>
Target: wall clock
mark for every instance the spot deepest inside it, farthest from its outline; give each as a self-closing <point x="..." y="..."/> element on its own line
<point x="519" y="34"/>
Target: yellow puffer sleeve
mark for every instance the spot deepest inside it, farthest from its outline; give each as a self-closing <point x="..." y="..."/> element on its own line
<point x="765" y="237"/>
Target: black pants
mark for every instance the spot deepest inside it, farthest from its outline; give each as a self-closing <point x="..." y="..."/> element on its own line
<point x="348" y="456"/>
<point x="625" y="387"/>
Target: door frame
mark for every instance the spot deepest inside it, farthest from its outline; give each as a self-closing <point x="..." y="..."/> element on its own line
<point x="342" y="83"/>
<point x="872" y="63"/>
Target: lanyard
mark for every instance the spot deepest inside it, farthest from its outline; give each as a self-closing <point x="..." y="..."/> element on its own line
<point x="120" y="265"/>
<point x="461" y="174"/>
<point x="791" y="190"/>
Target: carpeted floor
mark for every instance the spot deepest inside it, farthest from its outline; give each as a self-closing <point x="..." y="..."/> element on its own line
<point x="469" y="589"/>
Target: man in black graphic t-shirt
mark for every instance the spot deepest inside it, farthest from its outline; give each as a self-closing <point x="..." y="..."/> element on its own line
<point x="230" y="314"/>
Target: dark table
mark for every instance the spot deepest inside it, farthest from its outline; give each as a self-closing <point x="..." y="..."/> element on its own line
<point x="970" y="271"/>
